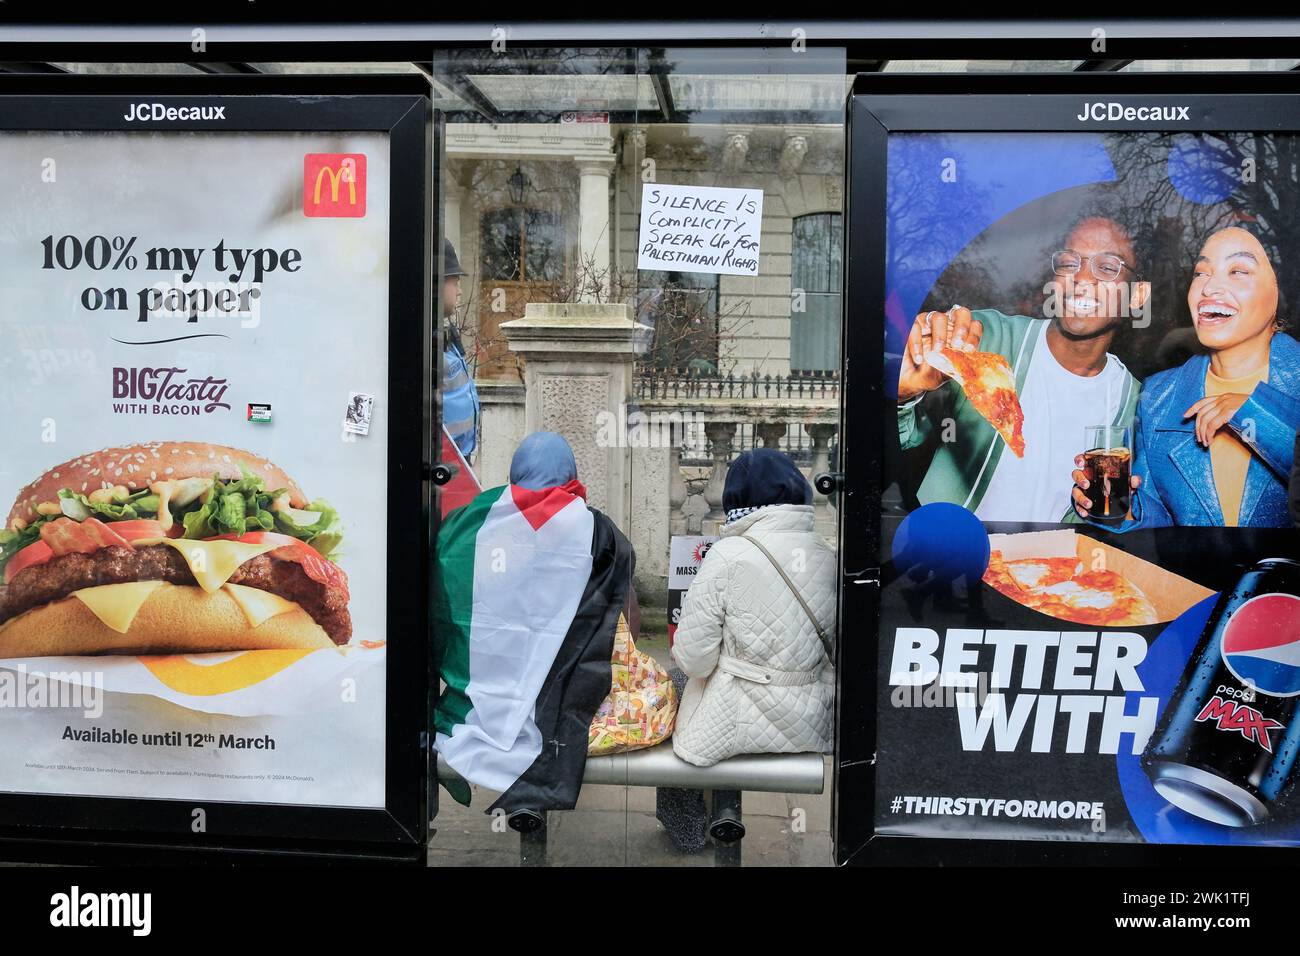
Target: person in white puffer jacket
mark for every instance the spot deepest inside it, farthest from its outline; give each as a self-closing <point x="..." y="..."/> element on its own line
<point x="761" y="680"/>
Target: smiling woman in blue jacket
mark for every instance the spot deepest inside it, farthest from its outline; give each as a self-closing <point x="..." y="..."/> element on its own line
<point x="1214" y="438"/>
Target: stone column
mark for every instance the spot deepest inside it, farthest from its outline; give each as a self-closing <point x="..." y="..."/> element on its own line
<point x="594" y="228"/>
<point x="821" y="450"/>
<point x="577" y="381"/>
<point x="694" y="510"/>
<point x="677" y="491"/>
<point x="649" y="522"/>
<point x="824" y="514"/>
<point x="501" y="427"/>
<point x="452" y="195"/>
<point x="721" y="436"/>
<point x="772" y="433"/>
<point x="634" y="152"/>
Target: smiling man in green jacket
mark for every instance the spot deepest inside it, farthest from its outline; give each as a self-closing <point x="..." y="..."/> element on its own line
<point x="1065" y="377"/>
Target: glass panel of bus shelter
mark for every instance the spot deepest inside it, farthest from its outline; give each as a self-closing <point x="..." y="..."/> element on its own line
<point x="657" y="378"/>
<point x="732" y="228"/>
<point x="542" y="582"/>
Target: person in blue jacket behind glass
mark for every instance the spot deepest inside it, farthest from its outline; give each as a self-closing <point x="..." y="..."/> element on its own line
<point x="1215" y="438"/>
<point x="460" y="406"/>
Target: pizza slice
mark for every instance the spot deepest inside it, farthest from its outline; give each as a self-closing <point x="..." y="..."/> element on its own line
<point x="1059" y="587"/>
<point x="1019" y="577"/>
<point x="986" y="379"/>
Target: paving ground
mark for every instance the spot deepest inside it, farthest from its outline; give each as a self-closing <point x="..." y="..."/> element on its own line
<point x="616" y="826"/>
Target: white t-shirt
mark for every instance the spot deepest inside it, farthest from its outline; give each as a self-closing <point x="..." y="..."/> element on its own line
<point x="1058" y="406"/>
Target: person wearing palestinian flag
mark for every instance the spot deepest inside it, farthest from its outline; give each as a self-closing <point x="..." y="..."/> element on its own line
<point x="529" y="584"/>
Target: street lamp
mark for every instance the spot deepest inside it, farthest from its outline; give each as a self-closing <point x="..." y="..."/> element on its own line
<point x="519" y="184"/>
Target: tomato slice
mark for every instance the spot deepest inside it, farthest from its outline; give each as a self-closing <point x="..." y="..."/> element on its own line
<point x="265" y="537"/>
<point x="65" y="536"/>
<point x="317" y="567"/>
<point x="38" y="552"/>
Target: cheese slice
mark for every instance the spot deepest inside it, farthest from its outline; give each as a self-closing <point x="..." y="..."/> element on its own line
<point x="212" y="562"/>
<point x="117" y="604"/>
<point x="1028" y="575"/>
<point x="258" y="605"/>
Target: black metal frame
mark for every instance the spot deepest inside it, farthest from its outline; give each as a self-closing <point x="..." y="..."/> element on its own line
<point x="880" y="105"/>
<point x="35" y="826"/>
<point x="242" y="35"/>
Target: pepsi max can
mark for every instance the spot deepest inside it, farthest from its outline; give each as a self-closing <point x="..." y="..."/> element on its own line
<point x="1227" y="742"/>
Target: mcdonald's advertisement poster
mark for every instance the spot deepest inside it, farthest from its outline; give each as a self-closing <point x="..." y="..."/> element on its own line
<point x="193" y="551"/>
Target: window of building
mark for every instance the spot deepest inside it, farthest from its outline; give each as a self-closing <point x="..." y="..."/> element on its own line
<point x="816" y="273"/>
<point x="682" y="308"/>
<point x="521" y="244"/>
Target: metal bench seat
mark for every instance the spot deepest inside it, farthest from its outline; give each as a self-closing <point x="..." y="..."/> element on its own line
<point x="659" y="767"/>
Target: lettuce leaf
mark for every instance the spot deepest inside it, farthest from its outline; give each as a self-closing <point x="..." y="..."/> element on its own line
<point x="244" y="505"/>
<point x="11" y="542"/>
<point x="216" y="513"/>
<point x="229" y="507"/>
<point x="132" y="507"/>
<point x="230" y="513"/>
<point x="325" y="534"/>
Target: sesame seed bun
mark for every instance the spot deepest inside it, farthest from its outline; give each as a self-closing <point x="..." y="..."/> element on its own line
<point x="137" y="466"/>
<point x="174" y="619"/>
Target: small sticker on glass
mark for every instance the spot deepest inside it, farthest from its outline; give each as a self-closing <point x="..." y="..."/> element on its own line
<point x="360" y="408"/>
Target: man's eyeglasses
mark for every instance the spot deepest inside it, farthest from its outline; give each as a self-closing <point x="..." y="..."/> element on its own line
<point x="1107" y="266"/>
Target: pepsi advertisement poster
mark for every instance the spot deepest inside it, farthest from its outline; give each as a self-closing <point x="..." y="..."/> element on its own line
<point x="1090" y="613"/>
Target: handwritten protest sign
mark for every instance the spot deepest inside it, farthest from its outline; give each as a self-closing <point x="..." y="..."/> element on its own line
<point x="700" y="229"/>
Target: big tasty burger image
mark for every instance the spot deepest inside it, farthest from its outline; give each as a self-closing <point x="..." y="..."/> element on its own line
<point x="169" y="547"/>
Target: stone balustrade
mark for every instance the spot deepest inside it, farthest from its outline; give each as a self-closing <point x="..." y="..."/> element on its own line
<point x="698" y="424"/>
<point x="707" y="436"/>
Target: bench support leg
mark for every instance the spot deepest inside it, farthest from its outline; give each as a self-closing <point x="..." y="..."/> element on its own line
<point x="532" y="845"/>
<point x="726" y="827"/>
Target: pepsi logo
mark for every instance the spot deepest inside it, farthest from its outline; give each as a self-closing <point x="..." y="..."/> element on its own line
<point x="1261" y="644"/>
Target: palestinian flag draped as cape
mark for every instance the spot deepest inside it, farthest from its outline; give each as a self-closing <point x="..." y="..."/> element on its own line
<point x="528" y="591"/>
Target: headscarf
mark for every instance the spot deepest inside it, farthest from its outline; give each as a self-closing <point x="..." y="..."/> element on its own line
<point x="760" y="478"/>
<point x="543" y="460"/>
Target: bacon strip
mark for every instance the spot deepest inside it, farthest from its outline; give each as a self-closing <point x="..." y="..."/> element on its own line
<point x="65" y="536"/>
<point x="316" y="567"/>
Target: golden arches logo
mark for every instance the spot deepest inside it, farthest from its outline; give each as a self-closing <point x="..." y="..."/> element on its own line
<point x="206" y="680"/>
<point x="346" y="173"/>
<point x="336" y="202"/>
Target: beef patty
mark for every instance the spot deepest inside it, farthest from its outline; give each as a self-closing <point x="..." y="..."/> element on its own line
<point x="60" y="576"/>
